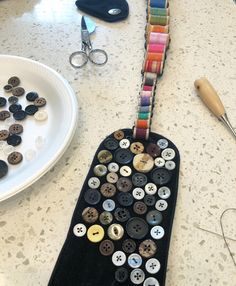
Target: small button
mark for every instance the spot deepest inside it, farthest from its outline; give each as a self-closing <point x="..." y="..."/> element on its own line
<point x="124" y="184"/>
<point x="152" y="266"/>
<point x="31" y="109"/>
<point x="162" y="143"/>
<point x="113" y="167"/>
<point x="138" y="193"/>
<point x="31" y="96"/>
<point x="3" y="101"/>
<point x="151" y="281"/>
<point x="137" y="228"/>
<point x="14" y="158"/>
<point x="13" y="108"/>
<point x="79" y="230"/>
<point x="3" y="169"/>
<point x="140" y="208"/>
<point x="124" y="143"/>
<point x="147" y="248"/>
<point x="119" y="134"/>
<point x="19" y="115"/>
<point x="30" y="154"/>
<point x="93" y="182"/>
<point x="92" y="197"/>
<point x="4" y="115"/>
<point x="168" y="154"/>
<point x="153" y="150"/>
<point x="154" y="217"/>
<point x="137" y="276"/>
<point x="137" y="148"/>
<point x="40" y="102"/>
<point x="115" y="231"/>
<point x="14" y="81"/>
<point x="112" y="178"/>
<point x="164" y="193"/>
<point x="139" y="180"/>
<point x="41" y="115"/>
<point x="111" y="144"/>
<point x="114" y="12"/>
<point x="121" y="275"/>
<point x="129" y="245"/>
<point x="125" y="199"/>
<point x="109" y="205"/>
<point x="108" y="190"/>
<point x="143" y="163"/>
<point x="18" y="91"/>
<point x="161" y="205"/>
<point x="100" y="170"/>
<point x="125" y="171"/>
<point x="4" y="134"/>
<point x="105" y="218"/>
<point x="161" y="176"/>
<point x="135" y="260"/>
<point x="121" y="214"/>
<point x="8" y="88"/>
<point x="118" y="258"/>
<point x="16" y="129"/>
<point x="13" y="99"/>
<point x="90" y="215"/>
<point x="95" y="233"/>
<point x="157" y="232"/>
<point x="123" y="156"/>
<point x="106" y="247"/>
<point x="151" y="189"/>
<point x="170" y="165"/>
<point x="149" y="200"/>
<point x="159" y="162"/>
<point x="14" y="140"/>
<point x="104" y="156"/>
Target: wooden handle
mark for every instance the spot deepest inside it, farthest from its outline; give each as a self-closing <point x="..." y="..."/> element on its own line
<point x="209" y="96"/>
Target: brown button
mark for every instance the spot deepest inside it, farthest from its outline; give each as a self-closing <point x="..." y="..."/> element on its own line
<point x="16" y="129"/>
<point x="124" y="184"/>
<point x="147" y="248"/>
<point x="106" y="247"/>
<point x="4" y="134"/>
<point x="90" y="215"/>
<point x="143" y="162"/>
<point x="140" y="208"/>
<point x="14" y="158"/>
<point x="136" y="148"/>
<point x="119" y="134"/>
<point x="104" y="156"/>
<point x="4" y="115"/>
<point x="14" y="81"/>
<point x="129" y="246"/>
<point x="18" y="91"/>
<point x="108" y="190"/>
<point x="40" y="101"/>
<point x="153" y="150"/>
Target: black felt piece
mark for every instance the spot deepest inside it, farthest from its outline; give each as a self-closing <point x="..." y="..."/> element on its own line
<point x="100" y="8"/>
<point x="80" y="262"/>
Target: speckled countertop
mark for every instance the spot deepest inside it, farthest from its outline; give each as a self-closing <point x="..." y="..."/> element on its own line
<point x="34" y="224"/>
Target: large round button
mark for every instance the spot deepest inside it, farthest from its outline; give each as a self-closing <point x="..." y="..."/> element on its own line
<point x="154" y="217"/>
<point x="151" y="281"/>
<point x="161" y="205"/>
<point x="93" y="182"/>
<point x="121" y="214"/>
<point x="157" y="232"/>
<point x="104" y="156"/>
<point x="100" y="170"/>
<point x="153" y="150"/>
<point x="111" y="144"/>
<point x="137" y="228"/>
<point x="124" y="184"/>
<point x="92" y="197"/>
<point x="113" y="167"/>
<point x="95" y="233"/>
<point x="143" y="163"/>
<point x="161" y="176"/>
<point x="164" y="193"/>
<point x="137" y="276"/>
<point x="149" y="200"/>
<point x="90" y="215"/>
<point x="105" y="218"/>
<point x="138" y="193"/>
<point x="108" y="190"/>
<point x="151" y="189"/>
<point x="123" y="156"/>
<point x="79" y="230"/>
<point x="168" y="154"/>
<point x="135" y="260"/>
<point x="152" y="265"/>
<point x="125" y="199"/>
<point x="121" y="275"/>
<point x="136" y="148"/>
<point x="118" y="258"/>
<point x="147" y="248"/>
<point x="140" y="208"/>
<point x="129" y="246"/>
<point x="115" y="231"/>
<point x="112" y="178"/>
<point x="109" y="205"/>
<point x="139" y="179"/>
<point x="162" y="143"/>
<point x="106" y="247"/>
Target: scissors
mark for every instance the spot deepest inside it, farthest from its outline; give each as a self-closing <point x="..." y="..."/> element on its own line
<point x="87" y="53"/>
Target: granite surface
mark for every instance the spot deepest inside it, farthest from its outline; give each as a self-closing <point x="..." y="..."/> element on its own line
<point x="34" y="223"/>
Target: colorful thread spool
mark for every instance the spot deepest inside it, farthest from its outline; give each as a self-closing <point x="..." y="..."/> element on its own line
<point x="155" y="57"/>
<point x="147" y="93"/>
<point x="159" y="11"/>
<point x="145" y="100"/>
<point x="150" y="78"/>
<point x="144" y="109"/>
<point x="157" y="29"/>
<point x="159" y="38"/>
<point x="153" y="67"/>
<point x="158" y="20"/>
<point x="156" y="48"/>
<point x="147" y="88"/>
<point x="142" y="124"/>
<point x="141" y="133"/>
<point x="144" y="115"/>
<point x="158" y="3"/>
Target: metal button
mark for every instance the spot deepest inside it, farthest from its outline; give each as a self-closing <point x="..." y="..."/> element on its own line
<point x="151" y="189"/>
<point x="109" y="205"/>
<point x="111" y="144"/>
<point x="153" y="150"/>
<point x="124" y="184"/>
<point x="112" y="178"/>
<point x="168" y="154"/>
<point x="119" y="134"/>
<point x="124" y="143"/>
<point x="113" y="167"/>
<point x="100" y="170"/>
<point x="90" y="214"/>
<point x="129" y="246"/>
<point x="3" y="169"/>
<point x="161" y="205"/>
<point x="118" y="258"/>
<point x="31" y="96"/>
<point x="121" y="275"/>
<point x="135" y="260"/>
<point x="123" y="156"/>
<point x="159" y="162"/>
<point x="137" y="148"/>
<point x="157" y="232"/>
<point x="164" y="192"/>
<point x="105" y="218"/>
<point x="137" y="276"/>
<point x="151" y="281"/>
<point x="143" y="163"/>
<point x="139" y="179"/>
<point x="125" y="171"/>
<point x="115" y="231"/>
<point x="125" y="199"/>
<point x="121" y="214"/>
<point x="161" y="176"/>
<point x="137" y="228"/>
<point x="147" y="248"/>
<point x="162" y="143"/>
<point x="108" y="190"/>
<point x="149" y="200"/>
<point x="152" y="266"/>
<point x="154" y="217"/>
<point x="95" y="233"/>
<point x="92" y="197"/>
<point x="104" y="156"/>
<point x="138" y="193"/>
<point x="170" y="165"/>
<point x="79" y="230"/>
<point x="115" y="11"/>
<point x="140" y="208"/>
<point x="106" y="247"/>
<point x="93" y="182"/>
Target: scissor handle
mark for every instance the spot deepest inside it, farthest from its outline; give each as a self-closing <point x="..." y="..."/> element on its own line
<point x="98" y="57"/>
<point x="78" y="59"/>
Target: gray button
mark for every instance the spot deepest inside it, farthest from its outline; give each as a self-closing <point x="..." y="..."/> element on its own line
<point x="162" y="143"/>
<point x="137" y="228"/>
<point x="113" y="167"/>
<point x="137" y="276"/>
<point x="168" y="154"/>
<point x="121" y="214"/>
<point x="111" y="144"/>
<point x="152" y="265"/>
<point x="164" y="193"/>
<point x="161" y="176"/>
<point x="109" y="205"/>
<point x="124" y="184"/>
<point x="149" y="200"/>
<point x="170" y="165"/>
<point x="123" y="156"/>
<point x="154" y="217"/>
<point x="161" y="205"/>
<point x="129" y="246"/>
<point x="100" y="170"/>
<point x="92" y="197"/>
<point x="121" y="275"/>
<point x="139" y="179"/>
<point x="105" y="218"/>
<point x="151" y="281"/>
<point x="125" y="199"/>
<point x="135" y="260"/>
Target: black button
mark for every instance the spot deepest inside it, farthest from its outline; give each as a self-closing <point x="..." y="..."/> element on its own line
<point x="129" y="246"/>
<point x="14" y="140"/>
<point x="3" y="101"/>
<point x="161" y="176"/>
<point x="13" y="99"/>
<point x="139" y="179"/>
<point x="124" y="184"/>
<point x="140" y="208"/>
<point x="31" y="109"/>
<point x="153" y="150"/>
<point x="111" y="144"/>
<point x="125" y="199"/>
<point x="15" y="107"/>
<point x="154" y="217"/>
<point x="92" y="197"/>
<point x="3" y="169"/>
<point x="149" y="200"/>
<point x="123" y="156"/>
<point x="137" y="228"/>
<point x="121" y="214"/>
<point x="121" y="275"/>
<point x="19" y="115"/>
<point x="31" y="96"/>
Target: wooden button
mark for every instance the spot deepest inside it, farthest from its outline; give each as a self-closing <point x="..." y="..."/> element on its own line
<point x="4" y="134"/>
<point x="106" y="247"/>
<point x="108" y="190"/>
<point x="147" y="248"/>
<point x="143" y="163"/>
<point x="90" y="215"/>
<point x="16" y="129"/>
<point x="136" y="148"/>
<point x="104" y="156"/>
<point x="119" y="134"/>
<point x="18" y="91"/>
<point x="40" y="101"/>
<point x="14" y="158"/>
<point x="14" y="81"/>
<point x="95" y="233"/>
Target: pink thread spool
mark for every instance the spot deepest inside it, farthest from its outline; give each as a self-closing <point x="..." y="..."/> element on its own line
<point x="156" y="48"/>
<point x="147" y="88"/>
<point x="153" y="67"/>
<point x="159" y="38"/>
<point x="146" y="93"/>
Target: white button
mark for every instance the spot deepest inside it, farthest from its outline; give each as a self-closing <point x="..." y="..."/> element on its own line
<point x="93" y="182"/>
<point x="112" y="178"/>
<point x="113" y="167"/>
<point x="118" y="258"/>
<point x="168" y="154"/>
<point x="164" y="192"/>
<point x="151" y="281"/>
<point x="170" y="165"/>
<point x="124" y="143"/>
<point x="152" y="265"/>
<point x="135" y="260"/>
<point x="162" y="143"/>
<point x="79" y="230"/>
<point x="41" y="115"/>
<point x="138" y="193"/>
<point x="108" y="205"/>
<point x="159" y="162"/>
<point x="30" y="154"/>
<point x="40" y="142"/>
<point x="157" y="232"/>
<point x="151" y="189"/>
<point x="161" y="205"/>
<point x="125" y="171"/>
<point x="137" y="276"/>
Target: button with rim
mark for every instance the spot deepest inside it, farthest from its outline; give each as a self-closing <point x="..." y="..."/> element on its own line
<point x="140" y="208"/>
<point x="119" y="134"/>
<point x="139" y="179"/>
<point x="152" y="265"/>
<point x="8" y="88"/>
<point x="125" y="199"/>
<point x="124" y="143"/>
<point x="93" y="182"/>
<point x="31" y="96"/>
<point x="159" y="162"/>
<point x="16" y="129"/>
<point x="106" y="247"/>
<point x="106" y="218"/>
<point x="121" y="275"/>
<point x="149" y="200"/>
<point x="121" y="214"/>
<point x="118" y="258"/>
<point x="92" y="197"/>
<point x="111" y="144"/>
<point x="157" y="232"/>
<point x="143" y="163"/>
<point x="138" y="193"/>
<point x="164" y="192"/>
<point x="4" y="134"/>
<point x="129" y="245"/>
<point x="14" y="140"/>
<point x="113" y="167"/>
<point x="115" y="231"/>
<point x="170" y="165"/>
<point x="19" y="115"/>
<point x="13" y="81"/>
<point x="13" y="99"/>
<point x="125" y="171"/>
<point x="136" y="228"/>
<point x="3" y="169"/>
<point x="90" y="215"/>
<point x="31" y="109"/>
<point x="109" y="205"/>
<point x="108" y="190"/>
<point x="112" y="178"/>
<point x="161" y="205"/>
<point x="41" y="115"/>
<point x="104" y="156"/>
<point x="151" y="281"/>
<point x="3" y="101"/>
<point x="95" y="233"/>
<point x="40" y="102"/>
<point x="168" y="154"/>
<point x="14" y="158"/>
<point x="161" y="176"/>
<point x="137" y="276"/>
<point x="153" y="150"/>
<point x="150" y="189"/>
<point x="135" y="260"/>
<point x="154" y="217"/>
<point x="137" y="148"/>
<point x="162" y="143"/>
<point x="79" y="230"/>
<point x="100" y="170"/>
<point x="124" y="184"/>
<point x="123" y="156"/>
<point x="147" y="248"/>
<point x="18" y="91"/>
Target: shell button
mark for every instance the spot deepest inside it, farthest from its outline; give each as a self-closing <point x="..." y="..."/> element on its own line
<point x="151" y="281"/>
<point x="159" y="162"/>
<point x="100" y="170"/>
<point x="151" y="189"/>
<point x="79" y="230"/>
<point x="161" y="205"/>
<point x="95" y="233"/>
<point x="137" y="276"/>
<point x="152" y="266"/>
<point x="135" y="260"/>
<point x="113" y="167"/>
<point x="108" y="205"/>
<point x="137" y="148"/>
<point x="136" y="228"/>
<point x="105" y="218"/>
<point x="124" y="184"/>
<point x="161" y="176"/>
<point x="143" y="163"/>
<point x="147" y="248"/>
<point x="104" y="156"/>
<point x="162" y="143"/>
<point x="157" y="232"/>
<point x="138" y="193"/>
<point x="168" y="154"/>
<point x="115" y="231"/>
<point x="112" y="178"/>
<point x="164" y="192"/>
<point x="118" y="258"/>
<point x="93" y="182"/>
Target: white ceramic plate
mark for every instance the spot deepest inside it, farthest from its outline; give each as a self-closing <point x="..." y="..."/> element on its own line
<point x="57" y="131"/>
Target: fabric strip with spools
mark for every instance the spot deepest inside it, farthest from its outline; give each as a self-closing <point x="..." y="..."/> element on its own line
<point x="157" y="41"/>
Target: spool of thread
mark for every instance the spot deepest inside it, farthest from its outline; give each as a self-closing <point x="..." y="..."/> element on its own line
<point x="156" y="48"/>
<point x="147" y="88"/>
<point x="144" y="109"/>
<point x="145" y="100"/>
<point x="153" y="67"/>
<point x="147" y="93"/>
<point x="159" y="11"/>
<point x="158" y="3"/>
<point x="150" y="78"/>
<point x="141" y="133"/>
<point x="157" y="29"/>
<point x="159" y="57"/>
<point x="158" y="20"/>
<point x="159" y="38"/>
<point x="144" y="115"/>
<point x="142" y="124"/>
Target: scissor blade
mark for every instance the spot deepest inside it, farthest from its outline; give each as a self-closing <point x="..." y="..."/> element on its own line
<point x="83" y="24"/>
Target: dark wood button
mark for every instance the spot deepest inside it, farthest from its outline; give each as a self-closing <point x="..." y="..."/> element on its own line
<point x="153" y="150"/>
<point x="16" y="129"/>
<point x="14" y="158"/>
<point x="108" y="190"/>
<point x="90" y="215"/>
<point x="4" y="115"/>
<point x="18" y="91"/>
<point x="129" y="245"/>
<point x="106" y="247"/>
<point x="14" y="81"/>
<point x="147" y="248"/>
<point x="4" y="134"/>
<point x="119" y="134"/>
<point x="140" y="208"/>
<point x="40" y="102"/>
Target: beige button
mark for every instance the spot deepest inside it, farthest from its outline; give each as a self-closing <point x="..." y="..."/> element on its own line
<point x="143" y="163"/>
<point x="115" y="231"/>
<point x="136" y="147"/>
<point x="95" y="233"/>
<point x="119" y="134"/>
<point x="112" y="178"/>
<point x="100" y="170"/>
<point x="104" y="156"/>
<point x="108" y="190"/>
<point x="90" y="215"/>
<point x="147" y="248"/>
